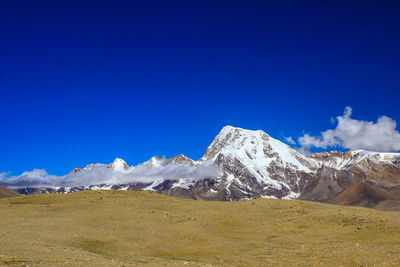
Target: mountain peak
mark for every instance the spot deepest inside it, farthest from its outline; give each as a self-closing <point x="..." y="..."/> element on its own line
<point x="229" y="128"/>
<point x="76" y="169"/>
<point x="233" y="138"/>
<point x="118" y="165"/>
<point x="91" y="165"/>
<point x="116" y="160"/>
<point x="155" y="161"/>
<point x="181" y="159"/>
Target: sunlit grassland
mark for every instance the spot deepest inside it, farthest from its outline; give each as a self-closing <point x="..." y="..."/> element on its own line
<point x="124" y="228"/>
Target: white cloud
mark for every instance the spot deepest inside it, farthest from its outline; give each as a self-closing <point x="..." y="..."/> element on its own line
<point x="290" y="140"/>
<point x="354" y="134"/>
<point x="103" y="175"/>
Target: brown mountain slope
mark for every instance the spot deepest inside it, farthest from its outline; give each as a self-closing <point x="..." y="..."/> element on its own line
<point x="383" y="172"/>
<point x="370" y="194"/>
<point x="4" y="192"/>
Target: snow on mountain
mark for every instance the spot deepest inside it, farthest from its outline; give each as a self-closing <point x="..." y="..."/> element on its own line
<point x="257" y="150"/>
<point x="76" y="169"/>
<point x="241" y="164"/>
<point x="346" y="160"/>
<point x="178" y="159"/>
<point x="154" y="162"/>
<point x="118" y="165"/>
<point x="257" y="165"/>
<point x="182" y="160"/>
<point x="91" y="166"/>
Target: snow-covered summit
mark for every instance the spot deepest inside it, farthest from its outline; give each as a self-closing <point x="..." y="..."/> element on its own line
<point x="181" y="160"/>
<point x="118" y="165"/>
<point x="154" y="161"/>
<point x="254" y="161"/>
<point x="255" y="148"/>
<point x="92" y="165"/>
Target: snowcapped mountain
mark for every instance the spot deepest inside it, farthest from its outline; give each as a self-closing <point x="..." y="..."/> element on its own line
<point x="118" y="165"/>
<point x="347" y="160"/>
<point x="366" y="165"/>
<point x="250" y="164"/>
<point x="254" y="164"/>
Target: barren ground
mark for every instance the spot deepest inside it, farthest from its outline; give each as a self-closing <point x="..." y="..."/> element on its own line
<point x="128" y="228"/>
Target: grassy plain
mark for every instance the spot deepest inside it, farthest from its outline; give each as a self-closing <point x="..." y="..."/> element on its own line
<point x="128" y="228"/>
<point x="4" y="192"/>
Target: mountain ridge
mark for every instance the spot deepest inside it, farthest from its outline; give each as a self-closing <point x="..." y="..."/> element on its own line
<point x="251" y="164"/>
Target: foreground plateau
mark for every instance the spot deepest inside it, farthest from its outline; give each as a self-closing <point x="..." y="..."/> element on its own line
<point x="136" y="228"/>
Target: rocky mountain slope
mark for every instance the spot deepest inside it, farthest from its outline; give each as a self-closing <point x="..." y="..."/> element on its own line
<point x="371" y="194"/>
<point x="340" y="171"/>
<point x="251" y="165"/>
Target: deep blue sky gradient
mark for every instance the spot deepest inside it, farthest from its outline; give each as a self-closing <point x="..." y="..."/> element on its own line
<point x="88" y="81"/>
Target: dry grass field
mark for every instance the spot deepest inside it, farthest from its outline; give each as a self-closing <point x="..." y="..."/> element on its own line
<point x="4" y="192"/>
<point x="128" y="228"/>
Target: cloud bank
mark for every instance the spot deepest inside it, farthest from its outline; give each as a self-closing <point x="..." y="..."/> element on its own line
<point x="349" y="133"/>
<point x="102" y="175"/>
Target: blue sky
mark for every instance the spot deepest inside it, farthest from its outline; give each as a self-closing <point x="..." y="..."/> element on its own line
<point x="88" y="81"/>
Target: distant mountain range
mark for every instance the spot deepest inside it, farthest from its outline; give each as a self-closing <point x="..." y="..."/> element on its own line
<point x="252" y="164"/>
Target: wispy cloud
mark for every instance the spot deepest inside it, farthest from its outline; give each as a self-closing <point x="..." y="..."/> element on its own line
<point x="356" y="134"/>
<point x="290" y="140"/>
<point x="103" y="175"/>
